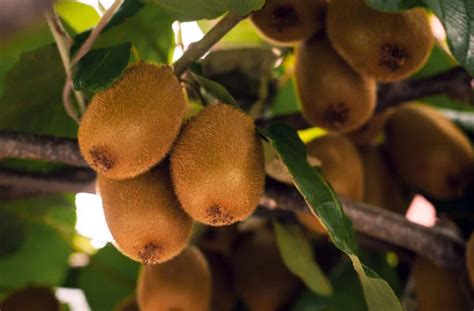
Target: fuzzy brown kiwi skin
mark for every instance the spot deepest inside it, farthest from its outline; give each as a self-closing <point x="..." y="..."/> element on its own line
<point x="385" y="46"/>
<point x="429" y="152"/>
<point x="182" y="283"/>
<point x="144" y="216"/>
<point x="437" y="288"/>
<point x="217" y="166"/>
<point x="382" y="188"/>
<point x="332" y="95"/>
<point x="130" y="127"/>
<point x="286" y="22"/>
<point x="261" y="278"/>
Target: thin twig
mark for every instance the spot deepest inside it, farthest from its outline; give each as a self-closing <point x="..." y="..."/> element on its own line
<point x="64" y="43"/>
<point x="198" y="49"/>
<point x="87" y="45"/>
<point x="69" y="64"/>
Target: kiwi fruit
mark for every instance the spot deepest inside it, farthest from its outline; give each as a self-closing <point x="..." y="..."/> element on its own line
<point x="285" y="22"/>
<point x="31" y="298"/>
<point x="130" y="127"/>
<point x="144" y="216"/>
<point x="429" y="152"/>
<point x="381" y="186"/>
<point x="224" y="297"/>
<point x="385" y="46"/>
<point x="182" y="283"/>
<point x="261" y="278"/>
<point x="341" y="166"/>
<point x="470" y="258"/>
<point x="371" y="133"/>
<point x="332" y="95"/>
<point x="217" y="166"/>
<point x="437" y="288"/>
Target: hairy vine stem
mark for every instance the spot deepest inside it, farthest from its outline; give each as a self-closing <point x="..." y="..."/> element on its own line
<point x="441" y="246"/>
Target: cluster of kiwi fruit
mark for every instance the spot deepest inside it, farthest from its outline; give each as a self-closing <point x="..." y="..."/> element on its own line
<point x="157" y="173"/>
<point x="420" y="148"/>
<point x="343" y="48"/>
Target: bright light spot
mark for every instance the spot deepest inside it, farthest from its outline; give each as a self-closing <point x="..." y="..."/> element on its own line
<point x="90" y="219"/>
<point x="92" y="3"/>
<point x="95" y="4"/>
<point x="107" y="3"/>
<point x="75" y="298"/>
<point x="190" y="33"/>
<point x="421" y="211"/>
<point x="437" y="28"/>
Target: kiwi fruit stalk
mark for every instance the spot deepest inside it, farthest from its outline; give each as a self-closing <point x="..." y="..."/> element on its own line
<point x="285" y="22"/>
<point x="130" y="127"/>
<point x="429" y="152"/>
<point x="182" y="283"/>
<point x="381" y="186"/>
<point x="144" y="216"/>
<point x="332" y="95"/>
<point x="341" y="166"/>
<point x="31" y="298"/>
<point x="437" y="288"/>
<point x="385" y="46"/>
<point x="217" y="166"/>
<point x="261" y="278"/>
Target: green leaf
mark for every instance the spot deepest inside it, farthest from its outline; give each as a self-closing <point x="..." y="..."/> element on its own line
<point x="149" y="31"/>
<point x="323" y="201"/>
<point x="313" y="187"/>
<point x="216" y="89"/>
<point x="296" y="252"/>
<point x="108" y="278"/>
<point x="347" y="295"/>
<point x="43" y="256"/>
<point x="100" y="68"/>
<point x="128" y="9"/>
<point x="27" y="40"/>
<point x="377" y="292"/>
<point x="457" y="17"/>
<point x="439" y="61"/>
<point x="12" y="233"/>
<point x="32" y="101"/>
<point x="191" y="10"/>
<point x="79" y="16"/>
